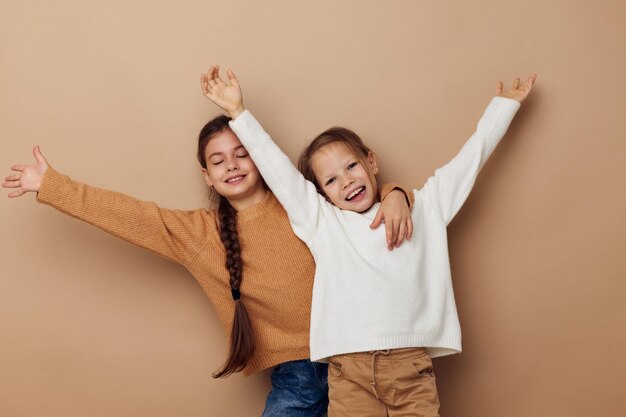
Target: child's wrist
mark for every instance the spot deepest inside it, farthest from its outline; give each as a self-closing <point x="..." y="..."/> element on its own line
<point x="236" y="112"/>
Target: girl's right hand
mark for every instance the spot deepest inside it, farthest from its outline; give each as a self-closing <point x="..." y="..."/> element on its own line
<point x="28" y="177"/>
<point x="227" y="96"/>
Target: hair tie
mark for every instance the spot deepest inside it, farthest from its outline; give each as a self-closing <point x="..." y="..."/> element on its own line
<point x="236" y="294"/>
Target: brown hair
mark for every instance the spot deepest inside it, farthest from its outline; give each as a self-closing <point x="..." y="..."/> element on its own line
<point x="334" y="134"/>
<point x="242" y="342"/>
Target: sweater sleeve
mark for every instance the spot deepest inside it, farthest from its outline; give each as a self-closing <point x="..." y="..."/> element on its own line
<point x="298" y="196"/>
<point x="451" y="184"/>
<point x="387" y="188"/>
<point x="172" y="234"/>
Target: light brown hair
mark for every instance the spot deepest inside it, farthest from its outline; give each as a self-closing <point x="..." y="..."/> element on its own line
<point x="332" y="135"/>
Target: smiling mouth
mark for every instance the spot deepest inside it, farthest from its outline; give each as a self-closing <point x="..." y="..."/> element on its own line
<point x="235" y="180"/>
<point x="356" y="194"/>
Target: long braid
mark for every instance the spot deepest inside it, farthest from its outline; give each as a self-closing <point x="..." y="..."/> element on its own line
<point x="242" y="339"/>
<point x="242" y="342"/>
<point x="230" y="239"/>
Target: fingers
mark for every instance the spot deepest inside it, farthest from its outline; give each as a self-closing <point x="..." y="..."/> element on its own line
<point x="204" y="84"/>
<point x="11" y="184"/>
<point x="39" y="156"/>
<point x="530" y="81"/>
<point x="409" y="229"/>
<point x="18" y="168"/>
<point x="211" y="77"/>
<point x="377" y="220"/>
<point x="16" y="193"/>
<point x="401" y="234"/>
<point x="231" y="78"/>
<point x="207" y="82"/>
<point x="518" y="91"/>
<point x="12" y="181"/>
<point x="218" y="79"/>
<point x="499" y="87"/>
<point x="390" y="228"/>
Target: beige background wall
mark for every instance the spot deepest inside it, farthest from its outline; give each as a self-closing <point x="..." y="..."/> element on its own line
<point x="92" y="326"/>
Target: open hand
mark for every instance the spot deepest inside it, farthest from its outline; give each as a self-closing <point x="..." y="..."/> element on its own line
<point x="28" y="177"/>
<point x="227" y="96"/>
<point x="516" y="92"/>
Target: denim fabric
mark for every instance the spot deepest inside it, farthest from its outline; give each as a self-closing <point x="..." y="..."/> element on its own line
<point x="299" y="389"/>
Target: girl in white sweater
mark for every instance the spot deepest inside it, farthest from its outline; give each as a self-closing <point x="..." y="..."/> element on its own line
<point x="377" y="316"/>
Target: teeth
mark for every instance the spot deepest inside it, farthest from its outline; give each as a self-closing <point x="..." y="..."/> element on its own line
<point x="235" y="179"/>
<point x="355" y="192"/>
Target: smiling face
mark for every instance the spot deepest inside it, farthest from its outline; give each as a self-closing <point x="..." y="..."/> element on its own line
<point x="231" y="172"/>
<point x="346" y="179"/>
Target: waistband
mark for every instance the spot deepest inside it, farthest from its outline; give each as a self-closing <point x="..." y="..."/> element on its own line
<point x="382" y="355"/>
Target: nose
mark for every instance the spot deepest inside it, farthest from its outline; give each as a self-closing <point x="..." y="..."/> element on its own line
<point x="231" y="165"/>
<point x="348" y="180"/>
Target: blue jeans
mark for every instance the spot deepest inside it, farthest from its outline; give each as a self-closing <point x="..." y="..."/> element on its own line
<point x="299" y="389"/>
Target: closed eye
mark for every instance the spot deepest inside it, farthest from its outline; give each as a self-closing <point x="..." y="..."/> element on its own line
<point x="352" y="165"/>
<point x="217" y="162"/>
<point x="330" y="181"/>
<point x="243" y="155"/>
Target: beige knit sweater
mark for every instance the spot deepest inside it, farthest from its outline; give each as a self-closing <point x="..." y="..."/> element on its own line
<point x="278" y="267"/>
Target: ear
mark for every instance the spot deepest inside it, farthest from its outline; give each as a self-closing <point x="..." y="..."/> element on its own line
<point x="207" y="178"/>
<point x="373" y="161"/>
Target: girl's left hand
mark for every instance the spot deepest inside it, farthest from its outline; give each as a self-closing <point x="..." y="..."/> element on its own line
<point x="394" y="210"/>
<point x="227" y="96"/>
<point x="517" y="92"/>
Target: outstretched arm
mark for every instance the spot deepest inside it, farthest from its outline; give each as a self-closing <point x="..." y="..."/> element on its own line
<point x="173" y="234"/>
<point x="451" y="184"/>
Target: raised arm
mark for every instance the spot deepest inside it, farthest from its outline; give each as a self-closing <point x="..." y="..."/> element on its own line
<point x="449" y="187"/>
<point x="298" y="196"/>
<point x="173" y="234"/>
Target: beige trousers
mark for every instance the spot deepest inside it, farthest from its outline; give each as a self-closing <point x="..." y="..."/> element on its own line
<point x="394" y="383"/>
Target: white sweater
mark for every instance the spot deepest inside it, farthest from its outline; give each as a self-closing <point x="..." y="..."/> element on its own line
<point x="364" y="296"/>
